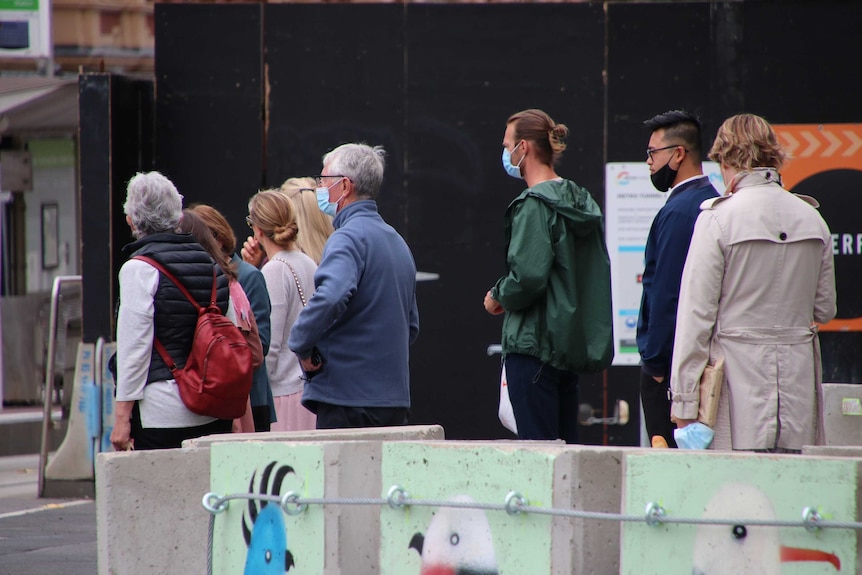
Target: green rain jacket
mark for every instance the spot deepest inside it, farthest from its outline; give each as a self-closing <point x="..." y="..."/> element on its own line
<point x="557" y="294"/>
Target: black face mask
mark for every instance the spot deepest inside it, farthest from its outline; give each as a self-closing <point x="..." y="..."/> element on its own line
<point x="663" y="178"/>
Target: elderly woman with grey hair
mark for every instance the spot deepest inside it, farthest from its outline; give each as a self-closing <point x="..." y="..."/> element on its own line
<point x="150" y="413"/>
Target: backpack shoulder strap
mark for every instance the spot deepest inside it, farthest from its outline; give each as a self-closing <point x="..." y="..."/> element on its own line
<point x="176" y="282"/>
<point x="166" y="357"/>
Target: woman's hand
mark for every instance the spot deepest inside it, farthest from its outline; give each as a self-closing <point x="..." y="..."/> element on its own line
<point x="251" y="252"/>
<point x="492" y="306"/>
<point x="121" y="435"/>
<point x="680" y="423"/>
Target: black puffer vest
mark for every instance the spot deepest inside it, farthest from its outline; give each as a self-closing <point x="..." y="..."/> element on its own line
<point x="175" y="317"/>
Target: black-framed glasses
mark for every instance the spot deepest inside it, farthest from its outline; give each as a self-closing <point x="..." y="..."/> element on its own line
<point x="306" y="190"/>
<point x="318" y="179"/>
<point x="651" y="151"/>
<point x="248" y="221"/>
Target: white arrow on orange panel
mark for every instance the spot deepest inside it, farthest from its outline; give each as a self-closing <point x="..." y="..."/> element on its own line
<point x="857" y="143"/>
<point x="835" y="143"/>
<point x="792" y="143"/>
<point x="813" y="144"/>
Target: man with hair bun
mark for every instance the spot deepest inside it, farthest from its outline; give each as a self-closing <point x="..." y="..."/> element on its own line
<point x="556" y="294"/>
<point x="353" y="337"/>
<point x="674" y="161"/>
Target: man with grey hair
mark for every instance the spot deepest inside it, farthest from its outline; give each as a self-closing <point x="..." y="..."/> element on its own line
<point x="354" y="335"/>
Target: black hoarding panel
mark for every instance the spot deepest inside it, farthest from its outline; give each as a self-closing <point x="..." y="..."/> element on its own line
<point x="661" y="57"/>
<point x="116" y="141"/>
<point x="132" y="141"/>
<point x="209" y="75"/>
<point x="799" y="69"/>
<point x="336" y="75"/>
<point x="469" y="67"/>
<point x="799" y="61"/>
<point x="94" y="97"/>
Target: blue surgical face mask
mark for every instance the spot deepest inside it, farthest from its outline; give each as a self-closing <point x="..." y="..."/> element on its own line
<point x="327" y="207"/>
<point x="511" y="169"/>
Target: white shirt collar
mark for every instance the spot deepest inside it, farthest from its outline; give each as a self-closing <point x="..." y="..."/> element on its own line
<point x="686" y="181"/>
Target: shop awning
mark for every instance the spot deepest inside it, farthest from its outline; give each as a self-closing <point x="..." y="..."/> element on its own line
<point x="37" y="104"/>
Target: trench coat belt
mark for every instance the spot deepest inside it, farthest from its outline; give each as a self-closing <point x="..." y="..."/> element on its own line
<point x="769" y="336"/>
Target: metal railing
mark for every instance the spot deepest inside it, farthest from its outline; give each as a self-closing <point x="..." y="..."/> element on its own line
<point x="49" y="374"/>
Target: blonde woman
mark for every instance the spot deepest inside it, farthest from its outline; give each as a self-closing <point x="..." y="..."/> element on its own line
<point x="289" y="276"/>
<point x="315" y="225"/>
<point x="758" y="275"/>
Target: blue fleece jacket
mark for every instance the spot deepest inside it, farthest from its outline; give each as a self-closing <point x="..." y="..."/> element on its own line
<point x="666" y="249"/>
<point x="362" y="317"/>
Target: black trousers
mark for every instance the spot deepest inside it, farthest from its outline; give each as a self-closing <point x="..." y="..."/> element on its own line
<point x="260" y="414"/>
<point x="339" y="416"/>
<point x="172" y="437"/>
<point x="654" y="397"/>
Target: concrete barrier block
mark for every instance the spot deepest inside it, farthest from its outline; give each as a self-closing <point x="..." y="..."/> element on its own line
<point x="398" y="433"/>
<point x="833" y="450"/>
<point x="590" y="479"/>
<point x="741" y="488"/>
<point x="149" y="513"/>
<point x="331" y="539"/>
<point x="547" y="474"/>
<point x="149" y="517"/>
<point x="842" y="414"/>
<point x="352" y="532"/>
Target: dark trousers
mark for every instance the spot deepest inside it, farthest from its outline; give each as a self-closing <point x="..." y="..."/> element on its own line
<point x="654" y="397"/>
<point x="544" y="399"/>
<point x="172" y="437"/>
<point x="260" y="414"/>
<point x="340" y="416"/>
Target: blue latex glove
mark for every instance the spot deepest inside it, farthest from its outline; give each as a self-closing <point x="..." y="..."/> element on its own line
<point x="693" y="436"/>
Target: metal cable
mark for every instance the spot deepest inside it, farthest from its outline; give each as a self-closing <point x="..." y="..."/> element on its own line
<point x="515" y="504"/>
<point x="210" y="544"/>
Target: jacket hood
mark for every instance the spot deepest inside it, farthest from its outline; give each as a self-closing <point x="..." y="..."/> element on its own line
<point x="569" y="201"/>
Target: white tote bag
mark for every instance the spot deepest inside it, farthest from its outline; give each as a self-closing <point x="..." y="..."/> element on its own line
<point x="505" y="413"/>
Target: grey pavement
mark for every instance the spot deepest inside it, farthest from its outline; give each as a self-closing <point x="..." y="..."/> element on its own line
<point x="42" y="536"/>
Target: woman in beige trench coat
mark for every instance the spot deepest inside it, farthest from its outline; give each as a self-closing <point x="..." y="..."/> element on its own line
<point x="758" y="275"/>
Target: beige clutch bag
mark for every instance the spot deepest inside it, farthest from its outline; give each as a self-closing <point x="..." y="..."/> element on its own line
<point x="710" y="391"/>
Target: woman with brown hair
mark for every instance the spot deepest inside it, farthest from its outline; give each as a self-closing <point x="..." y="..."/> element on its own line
<point x="758" y="275"/>
<point x="254" y="285"/>
<point x="556" y="294"/>
<point x="192" y="223"/>
<point x="289" y="276"/>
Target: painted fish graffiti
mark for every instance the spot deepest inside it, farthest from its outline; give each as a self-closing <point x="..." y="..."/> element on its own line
<point x="457" y="542"/>
<point x="720" y="549"/>
<point x="265" y="533"/>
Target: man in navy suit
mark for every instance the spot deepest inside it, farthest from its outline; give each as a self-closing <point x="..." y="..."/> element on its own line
<point x="674" y="160"/>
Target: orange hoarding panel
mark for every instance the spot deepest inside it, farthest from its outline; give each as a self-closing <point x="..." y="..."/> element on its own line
<point x="818" y="148"/>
